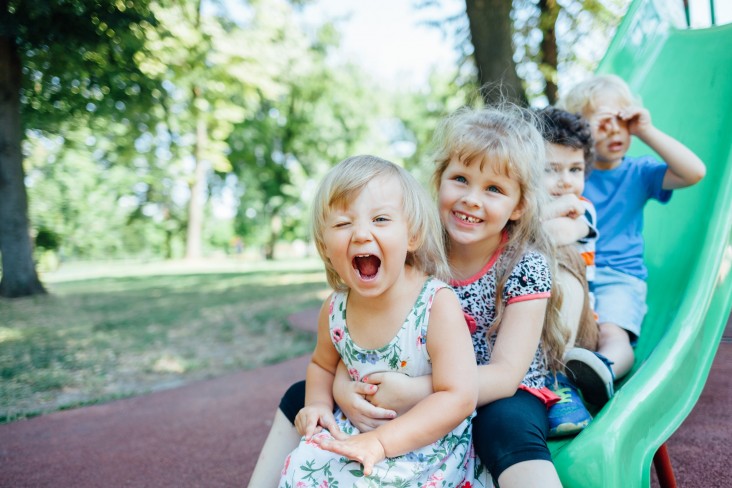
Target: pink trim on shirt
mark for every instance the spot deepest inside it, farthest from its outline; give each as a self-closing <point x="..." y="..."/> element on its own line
<point x="487" y="267"/>
<point x="533" y="296"/>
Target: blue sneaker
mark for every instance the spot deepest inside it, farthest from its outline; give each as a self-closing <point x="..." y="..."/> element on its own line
<point x="592" y="374"/>
<point x="569" y="415"/>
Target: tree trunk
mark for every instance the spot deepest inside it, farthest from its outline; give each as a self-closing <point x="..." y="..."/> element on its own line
<point x="194" y="234"/>
<point x="549" y="12"/>
<point x="491" y="32"/>
<point x="19" y="277"/>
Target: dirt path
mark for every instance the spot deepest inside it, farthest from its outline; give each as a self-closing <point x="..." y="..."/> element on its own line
<point x="208" y="434"/>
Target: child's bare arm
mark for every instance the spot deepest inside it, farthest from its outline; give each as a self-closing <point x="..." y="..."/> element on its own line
<point x="518" y="338"/>
<point x="318" y="410"/>
<point x="454" y="381"/>
<point x="684" y="167"/>
<point x="564" y="230"/>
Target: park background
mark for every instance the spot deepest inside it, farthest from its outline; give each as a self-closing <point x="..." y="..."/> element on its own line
<point x="154" y="220"/>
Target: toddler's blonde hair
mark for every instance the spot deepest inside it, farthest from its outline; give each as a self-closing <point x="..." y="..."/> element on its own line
<point x="345" y="180"/>
<point x="585" y="97"/>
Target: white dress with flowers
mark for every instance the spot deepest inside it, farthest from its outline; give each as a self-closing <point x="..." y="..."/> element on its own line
<point x="448" y="462"/>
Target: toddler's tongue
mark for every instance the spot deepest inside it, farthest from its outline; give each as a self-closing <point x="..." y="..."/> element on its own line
<point x="367" y="266"/>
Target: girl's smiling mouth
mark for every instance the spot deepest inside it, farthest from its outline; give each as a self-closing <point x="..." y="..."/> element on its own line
<point x="467" y="218"/>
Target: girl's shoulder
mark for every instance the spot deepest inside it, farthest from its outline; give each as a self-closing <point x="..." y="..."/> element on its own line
<point x="524" y="257"/>
<point x="432" y="286"/>
<point x="435" y="284"/>
<point x="530" y="274"/>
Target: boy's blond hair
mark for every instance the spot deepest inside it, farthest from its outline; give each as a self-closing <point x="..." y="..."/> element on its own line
<point x="345" y="180"/>
<point x="585" y="97"/>
<point x="507" y="137"/>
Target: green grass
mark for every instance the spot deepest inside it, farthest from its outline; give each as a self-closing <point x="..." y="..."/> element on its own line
<point x="113" y="330"/>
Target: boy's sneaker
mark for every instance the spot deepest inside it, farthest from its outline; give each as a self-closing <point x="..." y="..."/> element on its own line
<point x="569" y="415"/>
<point x="592" y="374"/>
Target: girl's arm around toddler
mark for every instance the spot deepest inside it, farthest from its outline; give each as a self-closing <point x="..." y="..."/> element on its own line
<point x="515" y="347"/>
<point x="454" y="381"/>
<point x="518" y="337"/>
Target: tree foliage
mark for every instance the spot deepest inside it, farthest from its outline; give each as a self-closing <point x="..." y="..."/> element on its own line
<point x="60" y="60"/>
<point x="162" y="128"/>
<point x="518" y="48"/>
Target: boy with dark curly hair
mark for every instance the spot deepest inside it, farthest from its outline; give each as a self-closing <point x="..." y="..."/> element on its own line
<point x="570" y="220"/>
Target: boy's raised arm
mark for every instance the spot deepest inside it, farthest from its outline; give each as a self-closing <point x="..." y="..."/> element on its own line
<point x="684" y="167"/>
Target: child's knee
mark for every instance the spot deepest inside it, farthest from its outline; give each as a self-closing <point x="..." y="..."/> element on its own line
<point x="610" y="332"/>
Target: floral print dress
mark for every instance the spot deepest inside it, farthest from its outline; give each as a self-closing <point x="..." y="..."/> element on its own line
<point x="449" y="462"/>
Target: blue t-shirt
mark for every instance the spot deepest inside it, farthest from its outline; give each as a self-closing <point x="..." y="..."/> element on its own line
<point x="619" y="195"/>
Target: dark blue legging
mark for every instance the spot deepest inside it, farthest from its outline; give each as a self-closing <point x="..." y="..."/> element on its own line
<point x="505" y="432"/>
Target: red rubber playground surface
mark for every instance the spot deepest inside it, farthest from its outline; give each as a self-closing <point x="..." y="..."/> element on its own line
<point x="208" y="434"/>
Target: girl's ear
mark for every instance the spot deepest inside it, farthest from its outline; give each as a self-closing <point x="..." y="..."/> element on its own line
<point x="414" y="243"/>
<point x="518" y="211"/>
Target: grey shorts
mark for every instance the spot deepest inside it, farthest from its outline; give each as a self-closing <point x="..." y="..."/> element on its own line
<point x="620" y="299"/>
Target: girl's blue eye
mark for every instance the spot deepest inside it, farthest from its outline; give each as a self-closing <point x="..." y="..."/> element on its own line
<point x="381" y="219"/>
<point x="494" y="189"/>
<point x="461" y="179"/>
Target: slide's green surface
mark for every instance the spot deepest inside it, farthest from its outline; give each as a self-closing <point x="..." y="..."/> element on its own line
<point x="684" y="78"/>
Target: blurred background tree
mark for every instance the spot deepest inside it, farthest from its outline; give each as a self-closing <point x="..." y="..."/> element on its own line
<point x="167" y="129"/>
<point x="61" y="62"/>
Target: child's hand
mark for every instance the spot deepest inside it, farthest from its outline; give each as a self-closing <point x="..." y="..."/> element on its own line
<point x="606" y="119"/>
<point x="364" y="448"/>
<point x="568" y="205"/>
<point x="352" y="397"/>
<point x="638" y="120"/>
<point x="603" y="119"/>
<point x="394" y="390"/>
<point x="311" y="419"/>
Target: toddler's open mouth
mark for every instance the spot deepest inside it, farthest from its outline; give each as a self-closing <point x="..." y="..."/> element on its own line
<point x="367" y="265"/>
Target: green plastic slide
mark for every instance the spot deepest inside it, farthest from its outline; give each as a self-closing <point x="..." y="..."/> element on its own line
<point x="684" y="78"/>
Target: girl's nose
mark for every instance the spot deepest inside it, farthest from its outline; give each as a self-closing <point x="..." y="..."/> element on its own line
<point x="470" y="199"/>
<point x="361" y="232"/>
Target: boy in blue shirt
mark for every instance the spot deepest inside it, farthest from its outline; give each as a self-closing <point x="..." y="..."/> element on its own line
<point x="619" y="187"/>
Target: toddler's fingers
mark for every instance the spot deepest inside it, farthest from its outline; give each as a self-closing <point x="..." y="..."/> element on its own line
<point x="332" y="427"/>
<point x="338" y="434"/>
<point x="373" y="378"/>
<point x="368" y="467"/>
<point x="332" y="445"/>
<point x="365" y="388"/>
<point x="381" y="413"/>
<point x="368" y="409"/>
<point x="367" y="424"/>
<point x="310" y="430"/>
<point x="300" y="425"/>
